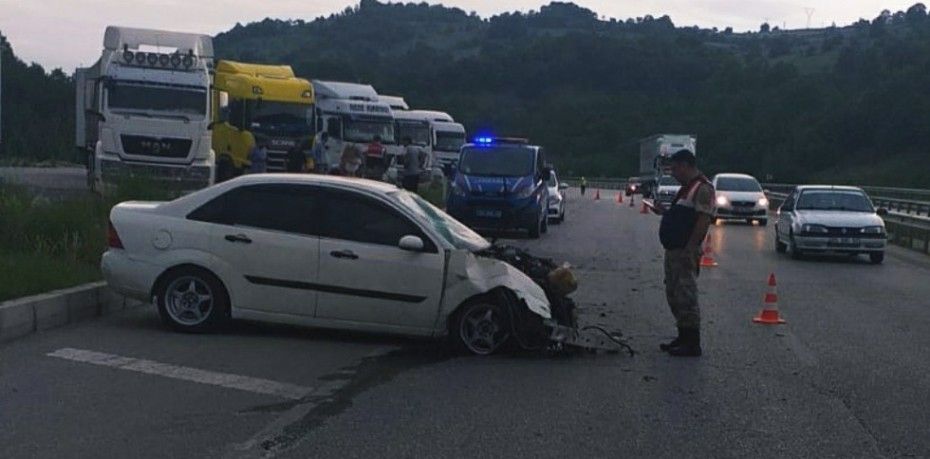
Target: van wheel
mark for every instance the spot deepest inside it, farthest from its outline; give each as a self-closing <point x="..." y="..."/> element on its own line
<point x="192" y="300"/>
<point x="480" y="327"/>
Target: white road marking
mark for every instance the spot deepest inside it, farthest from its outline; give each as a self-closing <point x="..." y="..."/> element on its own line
<point x="231" y="381"/>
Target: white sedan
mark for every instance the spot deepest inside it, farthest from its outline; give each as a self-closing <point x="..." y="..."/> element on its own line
<point x="556" y="207"/>
<point x="320" y="251"/>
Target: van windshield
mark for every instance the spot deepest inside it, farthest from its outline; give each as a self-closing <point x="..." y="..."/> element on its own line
<point x="505" y="161"/>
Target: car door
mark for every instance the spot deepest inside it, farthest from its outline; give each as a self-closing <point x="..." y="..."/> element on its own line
<point x="266" y="236"/>
<point x="364" y="276"/>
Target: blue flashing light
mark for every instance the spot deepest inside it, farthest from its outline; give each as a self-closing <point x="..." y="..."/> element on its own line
<point x="484" y="140"/>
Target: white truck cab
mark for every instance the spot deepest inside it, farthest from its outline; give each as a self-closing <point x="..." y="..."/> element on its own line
<point x="353" y="116"/>
<point x="144" y="108"/>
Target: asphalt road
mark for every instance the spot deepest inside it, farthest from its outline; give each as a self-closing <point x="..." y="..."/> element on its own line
<point x="848" y="375"/>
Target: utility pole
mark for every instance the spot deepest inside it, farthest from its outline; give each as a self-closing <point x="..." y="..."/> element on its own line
<point x="810" y="14"/>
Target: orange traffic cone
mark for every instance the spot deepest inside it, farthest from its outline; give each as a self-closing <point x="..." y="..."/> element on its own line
<point x="769" y="314"/>
<point x="620" y="197"/>
<point x="597" y="194"/>
<point x="707" y="255"/>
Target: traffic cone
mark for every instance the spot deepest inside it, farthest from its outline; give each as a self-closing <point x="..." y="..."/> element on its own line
<point x="707" y="255"/>
<point x="769" y="314"/>
<point x="597" y="194"/>
<point x="620" y="197"/>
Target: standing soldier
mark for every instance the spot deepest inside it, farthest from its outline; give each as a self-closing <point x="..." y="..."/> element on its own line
<point x="683" y="228"/>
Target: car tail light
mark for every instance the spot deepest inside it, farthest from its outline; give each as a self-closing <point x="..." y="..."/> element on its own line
<point x="113" y="240"/>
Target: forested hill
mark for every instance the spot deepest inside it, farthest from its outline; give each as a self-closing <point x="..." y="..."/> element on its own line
<point x="849" y="103"/>
<point x="845" y="103"/>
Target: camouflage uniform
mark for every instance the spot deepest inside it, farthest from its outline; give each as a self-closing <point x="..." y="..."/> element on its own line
<point x="682" y="266"/>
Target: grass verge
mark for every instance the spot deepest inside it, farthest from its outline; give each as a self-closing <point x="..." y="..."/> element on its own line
<point x="24" y="274"/>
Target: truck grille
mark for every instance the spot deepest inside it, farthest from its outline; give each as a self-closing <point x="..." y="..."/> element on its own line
<point x="161" y="147"/>
<point x="277" y="161"/>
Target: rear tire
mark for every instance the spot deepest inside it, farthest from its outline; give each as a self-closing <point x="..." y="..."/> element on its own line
<point x="480" y="327"/>
<point x="877" y="257"/>
<point x="192" y="300"/>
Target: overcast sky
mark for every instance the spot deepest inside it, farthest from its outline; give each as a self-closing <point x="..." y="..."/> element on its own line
<point x="68" y="33"/>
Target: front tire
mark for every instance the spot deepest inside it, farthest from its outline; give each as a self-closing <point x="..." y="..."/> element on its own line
<point x="480" y="327"/>
<point x="780" y="246"/>
<point x="796" y="254"/>
<point x="877" y="257"/>
<point x="192" y="300"/>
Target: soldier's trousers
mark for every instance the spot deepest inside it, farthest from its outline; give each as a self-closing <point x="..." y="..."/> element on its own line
<point x="681" y="271"/>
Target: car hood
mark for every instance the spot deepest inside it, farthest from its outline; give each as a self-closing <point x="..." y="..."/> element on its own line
<point x="471" y="273"/>
<point x="741" y="195"/>
<point x="838" y="218"/>
<point x="492" y="185"/>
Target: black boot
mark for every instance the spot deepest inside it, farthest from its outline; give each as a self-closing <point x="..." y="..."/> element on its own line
<point x="690" y="344"/>
<point x="673" y="343"/>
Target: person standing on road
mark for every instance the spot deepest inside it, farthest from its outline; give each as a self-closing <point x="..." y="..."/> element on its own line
<point x="318" y="153"/>
<point x="683" y="228"/>
<point x="584" y="185"/>
<point x="258" y="159"/>
<point x="411" y="179"/>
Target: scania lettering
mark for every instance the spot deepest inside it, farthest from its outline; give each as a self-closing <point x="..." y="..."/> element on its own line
<point x="264" y="104"/>
<point x="143" y="109"/>
<point x="500" y="185"/>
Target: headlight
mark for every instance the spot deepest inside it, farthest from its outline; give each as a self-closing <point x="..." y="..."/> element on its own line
<point x="764" y="202"/>
<point x="873" y="230"/>
<point x="526" y="192"/>
<point x="814" y="229"/>
<point x="722" y="200"/>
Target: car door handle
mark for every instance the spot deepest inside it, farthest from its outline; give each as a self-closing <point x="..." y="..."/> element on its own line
<point x="347" y="254"/>
<point x="238" y="238"/>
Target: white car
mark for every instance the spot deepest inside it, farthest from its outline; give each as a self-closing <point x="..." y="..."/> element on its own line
<point x="739" y="196"/>
<point x="556" y="198"/>
<point x="320" y="251"/>
<point x="666" y="189"/>
<point x="838" y="219"/>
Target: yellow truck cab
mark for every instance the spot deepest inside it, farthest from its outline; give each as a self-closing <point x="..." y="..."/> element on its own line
<point x="264" y="104"/>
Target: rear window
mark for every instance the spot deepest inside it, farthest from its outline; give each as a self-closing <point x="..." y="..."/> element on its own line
<point x="278" y="207"/>
<point x="738" y="184"/>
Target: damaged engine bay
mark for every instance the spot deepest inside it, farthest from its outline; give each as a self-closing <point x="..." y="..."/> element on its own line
<point x="561" y="331"/>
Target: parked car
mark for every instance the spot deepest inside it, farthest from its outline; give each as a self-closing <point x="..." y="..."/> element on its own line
<point x="317" y="250"/>
<point x="839" y="219"/>
<point x="556" y="197"/>
<point x="739" y="196"/>
<point x="633" y="186"/>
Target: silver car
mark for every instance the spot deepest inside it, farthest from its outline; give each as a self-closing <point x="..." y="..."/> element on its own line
<point x="556" y="206"/>
<point x="836" y="219"/>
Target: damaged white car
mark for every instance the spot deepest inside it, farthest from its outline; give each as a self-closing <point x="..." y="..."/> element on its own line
<point x="333" y="252"/>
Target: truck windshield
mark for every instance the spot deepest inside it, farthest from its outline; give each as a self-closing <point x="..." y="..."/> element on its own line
<point x="507" y="161"/>
<point x="187" y="101"/>
<point x="281" y="117"/>
<point x="365" y="129"/>
<point x="853" y="201"/>
<point x="738" y="184"/>
<point x="418" y="132"/>
<point x="455" y="233"/>
<point x="449" y="141"/>
<point x="668" y="180"/>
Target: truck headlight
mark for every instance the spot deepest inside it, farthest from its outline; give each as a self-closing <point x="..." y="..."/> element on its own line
<point x="722" y="200"/>
<point x="814" y="229"/>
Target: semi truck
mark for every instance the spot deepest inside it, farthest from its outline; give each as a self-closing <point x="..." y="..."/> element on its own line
<point x="353" y="116"/>
<point x="143" y="109"/>
<point x="654" y="152"/>
<point x="259" y="104"/>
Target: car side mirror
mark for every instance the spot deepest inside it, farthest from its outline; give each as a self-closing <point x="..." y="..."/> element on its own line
<point x="411" y="243"/>
<point x="882" y="212"/>
<point x="563" y="186"/>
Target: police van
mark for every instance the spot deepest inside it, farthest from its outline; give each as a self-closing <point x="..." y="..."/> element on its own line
<point x="500" y="185"/>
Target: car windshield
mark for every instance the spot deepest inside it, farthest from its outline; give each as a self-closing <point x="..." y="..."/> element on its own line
<point x="853" y="201"/>
<point x="506" y="161"/>
<point x="185" y="101"/>
<point x="455" y="233"/>
<point x="364" y="130"/>
<point x="668" y="180"/>
<point x="282" y="117"/>
<point x="737" y="184"/>
<point x="449" y="141"/>
<point x="417" y="131"/>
